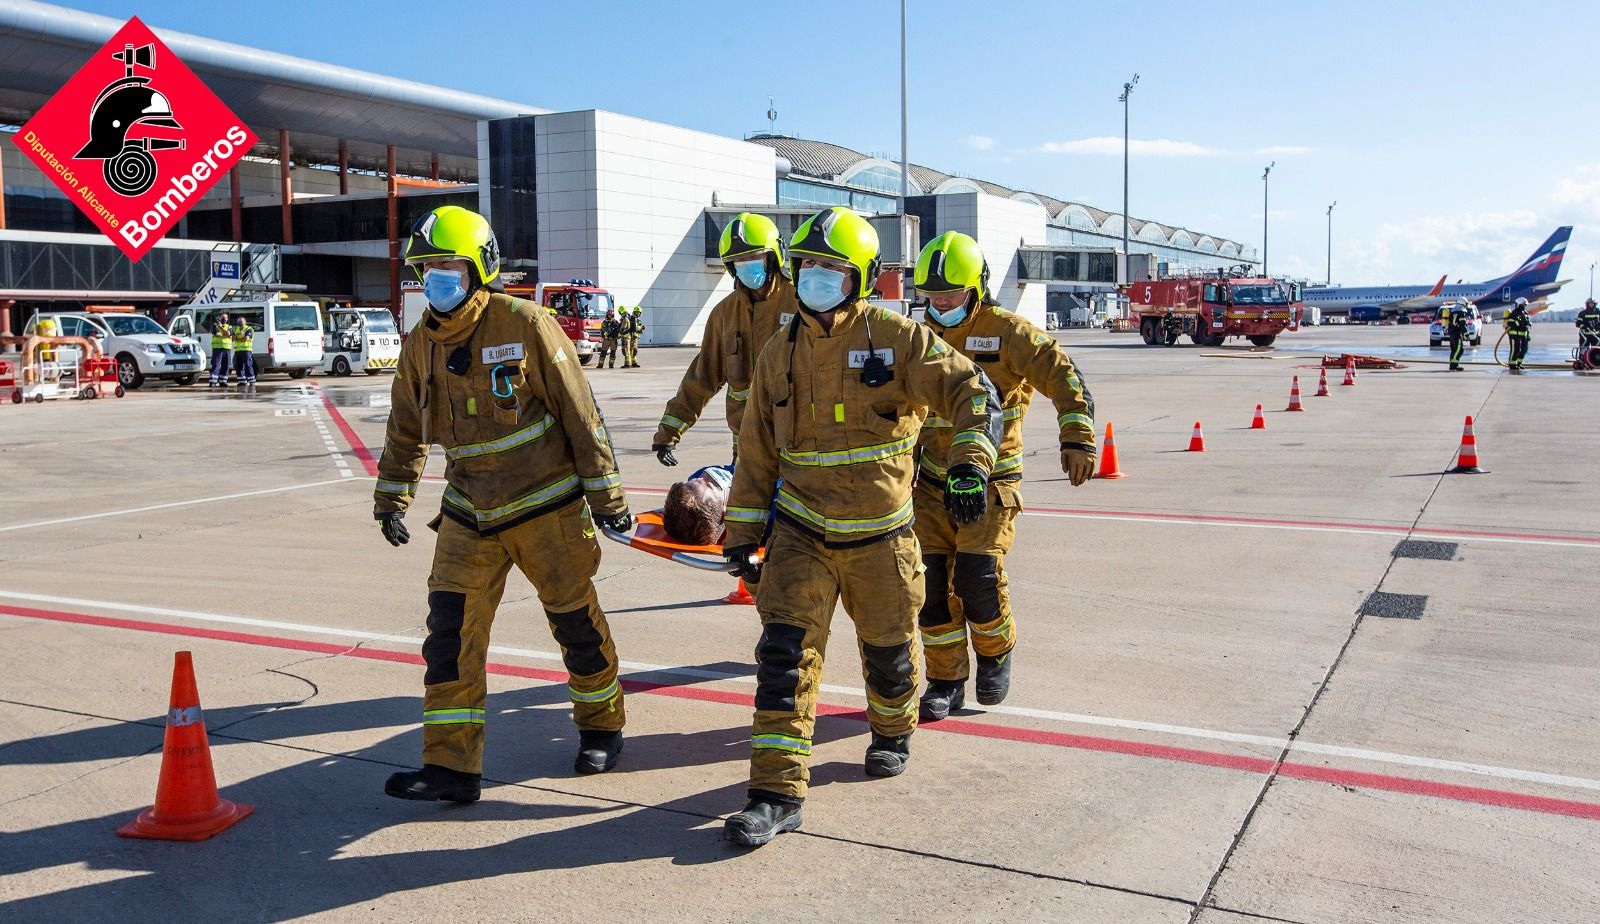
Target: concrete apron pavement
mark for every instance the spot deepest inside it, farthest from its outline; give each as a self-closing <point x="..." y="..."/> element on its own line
<point x="1201" y="720"/>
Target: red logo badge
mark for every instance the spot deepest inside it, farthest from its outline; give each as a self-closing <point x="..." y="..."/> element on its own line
<point x="135" y="139"/>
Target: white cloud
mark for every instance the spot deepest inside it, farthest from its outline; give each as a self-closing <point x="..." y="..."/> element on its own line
<point x="978" y="142"/>
<point x="1580" y="191"/>
<point x="1473" y="246"/>
<point x="1106" y="144"/>
<point x="1282" y="150"/>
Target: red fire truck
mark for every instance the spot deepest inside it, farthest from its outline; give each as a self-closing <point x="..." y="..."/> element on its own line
<point x="579" y="306"/>
<point x="1216" y="306"/>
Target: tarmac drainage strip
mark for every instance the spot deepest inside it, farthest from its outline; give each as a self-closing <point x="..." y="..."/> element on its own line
<point x="1432" y="551"/>
<point x="1395" y="606"/>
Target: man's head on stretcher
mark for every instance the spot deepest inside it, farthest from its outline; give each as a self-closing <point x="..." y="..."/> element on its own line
<point x="695" y="507"/>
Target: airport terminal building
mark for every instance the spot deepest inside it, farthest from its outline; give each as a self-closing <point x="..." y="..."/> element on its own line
<point x="347" y="160"/>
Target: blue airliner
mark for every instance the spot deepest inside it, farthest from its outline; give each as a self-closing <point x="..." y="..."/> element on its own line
<point x="1535" y="281"/>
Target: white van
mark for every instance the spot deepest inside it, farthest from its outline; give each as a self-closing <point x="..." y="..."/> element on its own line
<point x="288" y="333"/>
<point x="364" y="339"/>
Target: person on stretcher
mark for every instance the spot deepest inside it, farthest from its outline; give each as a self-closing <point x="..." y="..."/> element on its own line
<point x="694" y="507"/>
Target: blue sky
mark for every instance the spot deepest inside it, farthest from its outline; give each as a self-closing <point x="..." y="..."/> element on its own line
<point x="1454" y="136"/>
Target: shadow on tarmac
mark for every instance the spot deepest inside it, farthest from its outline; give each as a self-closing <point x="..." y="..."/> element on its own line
<point x="289" y="860"/>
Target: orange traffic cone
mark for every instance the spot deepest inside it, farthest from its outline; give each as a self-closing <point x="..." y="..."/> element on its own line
<point x="1259" y="423"/>
<point x="187" y="806"/>
<point x="1349" y="372"/>
<point x="1108" y="460"/>
<point x="1322" y="385"/>
<point x="1197" y="440"/>
<point x="1294" y="396"/>
<point x="1467" y="458"/>
<point x="740" y="594"/>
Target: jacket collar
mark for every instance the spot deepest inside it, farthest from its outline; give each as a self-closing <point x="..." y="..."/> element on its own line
<point x="459" y="324"/>
<point x="844" y="318"/>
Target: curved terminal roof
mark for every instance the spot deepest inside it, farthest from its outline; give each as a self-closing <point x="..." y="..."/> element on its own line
<point x="831" y="163"/>
<point x="42" y="46"/>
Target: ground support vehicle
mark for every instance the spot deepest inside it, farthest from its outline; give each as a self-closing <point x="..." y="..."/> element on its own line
<point x="360" y="339"/>
<point x="1216" y="306"/>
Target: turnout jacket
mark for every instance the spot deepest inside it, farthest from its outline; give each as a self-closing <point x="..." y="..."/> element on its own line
<point x="843" y="449"/>
<point x="1018" y="358"/>
<point x="736" y="330"/>
<point x="1519" y="326"/>
<point x="518" y="423"/>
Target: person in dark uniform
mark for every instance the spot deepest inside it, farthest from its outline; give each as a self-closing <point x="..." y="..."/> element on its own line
<point x="1170" y="328"/>
<point x="1588" y="323"/>
<point x="1520" y="329"/>
<point x="1458" y="335"/>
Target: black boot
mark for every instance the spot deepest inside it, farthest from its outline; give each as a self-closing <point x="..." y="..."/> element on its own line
<point x="887" y="756"/>
<point x="598" y="751"/>
<point x="762" y="820"/>
<point x="994" y="679"/>
<point x="434" y="783"/>
<point x="942" y="698"/>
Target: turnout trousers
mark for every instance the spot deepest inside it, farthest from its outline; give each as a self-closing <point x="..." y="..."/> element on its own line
<point x="558" y="553"/>
<point x="966" y="601"/>
<point x="803" y="580"/>
<point x="630" y="349"/>
<point x="608" y="349"/>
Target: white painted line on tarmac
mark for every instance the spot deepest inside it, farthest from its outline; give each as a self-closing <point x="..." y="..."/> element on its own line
<point x="1182" y="731"/>
<point x="1451" y="536"/>
<point x="168" y="506"/>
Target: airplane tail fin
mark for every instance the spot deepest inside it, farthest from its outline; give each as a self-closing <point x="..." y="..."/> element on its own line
<point x="1545" y="263"/>
<point x="1437" y="287"/>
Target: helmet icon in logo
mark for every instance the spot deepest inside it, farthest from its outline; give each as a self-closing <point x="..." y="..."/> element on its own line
<point x="129" y="167"/>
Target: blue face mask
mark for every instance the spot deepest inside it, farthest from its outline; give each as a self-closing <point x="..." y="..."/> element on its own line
<point x="951" y="318"/>
<point x="444" y="289"/>
<point x="753" y="273"/>
<point x="820" y="289"/>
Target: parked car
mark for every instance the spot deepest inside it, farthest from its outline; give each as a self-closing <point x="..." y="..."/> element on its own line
<point x="142" y="349"/>
<point x="290" y="332"/>
<point x="363" y="339"/>
<point x="1439" y="330"/>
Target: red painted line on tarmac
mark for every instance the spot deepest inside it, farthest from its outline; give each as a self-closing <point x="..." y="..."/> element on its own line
<point x="1257" y="765"/>
<point x="356" y="446"/>
<point x="365" y="455"/>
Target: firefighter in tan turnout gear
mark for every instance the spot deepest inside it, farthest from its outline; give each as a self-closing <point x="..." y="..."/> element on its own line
<point x="762" y="301"/>
<point x="836" y="401"/>
<point x="967" y="600"/>
<point x="494" y="381"/>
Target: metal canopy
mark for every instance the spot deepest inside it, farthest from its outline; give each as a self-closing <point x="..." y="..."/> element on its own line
<point x="42" y="46"/>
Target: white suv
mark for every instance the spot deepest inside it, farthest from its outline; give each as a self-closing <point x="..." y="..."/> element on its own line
<point x="141" y="347"/>
<point x="1439" y="330"/>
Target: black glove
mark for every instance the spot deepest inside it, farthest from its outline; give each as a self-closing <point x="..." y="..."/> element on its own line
<point x="393" y="528"/>
<point x="966" y="490"/>
<point x="664" y="454"/>
<point x="616" y="522"/>
<point x="747" y="565"/>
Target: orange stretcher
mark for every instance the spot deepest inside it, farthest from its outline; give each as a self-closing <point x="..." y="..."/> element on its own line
<point x="650" y="535"/>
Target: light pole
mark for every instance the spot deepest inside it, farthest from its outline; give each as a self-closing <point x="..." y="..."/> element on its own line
<point x="1330" y="242"/>
<point x="1591" y="280"/>
<point x="1266" y="185"/>
<point x="905" y="170"/>
<point x="1127" y="92"/>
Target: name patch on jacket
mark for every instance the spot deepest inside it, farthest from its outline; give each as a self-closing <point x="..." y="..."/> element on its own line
<point x="505" y="352"/>
<point x="785" y="318"/>
<point x="983" y="344"/>
<point x="858" y="358"/>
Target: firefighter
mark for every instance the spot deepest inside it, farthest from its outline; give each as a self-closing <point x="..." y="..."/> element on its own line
<point x="244" y="362"/>
<point x="221" y="348"/>
<point x="1520" y="330"/>
<point x="610" y="333"/>
<point x="1171" y="327"/>
<point x="1458" y="335"/>
<point x="836" y="400"/>
<point x="739" y="326"/>
<point x="1588" y="324"/>
<point x="965" y="573"/>
<point x="494" y="381"/>
<point x="632" y="327"/>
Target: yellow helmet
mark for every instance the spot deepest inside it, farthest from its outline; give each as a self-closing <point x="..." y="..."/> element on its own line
<point x="750" y="233"/>
<point x="452" y="232"/>
<point x="841" y="236"/>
